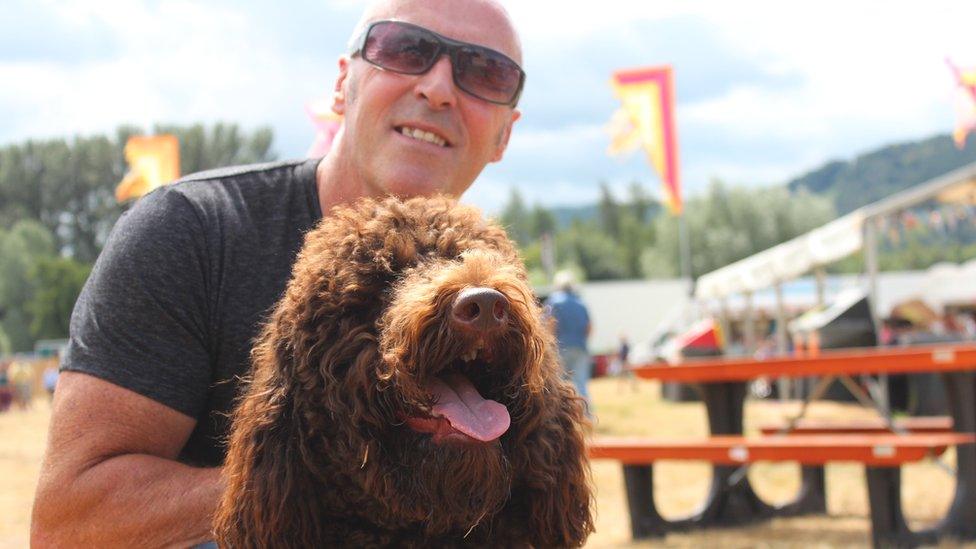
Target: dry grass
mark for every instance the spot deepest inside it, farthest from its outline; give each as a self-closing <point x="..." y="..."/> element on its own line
<point x="622" y="408"/>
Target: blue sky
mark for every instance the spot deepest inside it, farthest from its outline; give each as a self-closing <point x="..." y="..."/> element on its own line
<point x="766" y="90"/>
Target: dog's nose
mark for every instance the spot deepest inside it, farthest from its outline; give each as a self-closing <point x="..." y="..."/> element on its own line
<point x="481" y="309"/>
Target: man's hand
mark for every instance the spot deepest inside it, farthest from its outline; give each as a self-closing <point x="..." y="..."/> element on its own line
<point x="110" y="477"/>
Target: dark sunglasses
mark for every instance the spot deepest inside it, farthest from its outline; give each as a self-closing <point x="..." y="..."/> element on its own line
<point x="408" y="49"/>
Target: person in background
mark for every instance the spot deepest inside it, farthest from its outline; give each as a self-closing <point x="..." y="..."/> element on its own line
<point x="6" y="394"/>
<point x="50" y="380"/>
<point x="572" y="330"/>
<point x="21" y="375"/>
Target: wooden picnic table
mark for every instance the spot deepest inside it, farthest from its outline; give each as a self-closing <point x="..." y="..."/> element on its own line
<point x="723" y="384"/>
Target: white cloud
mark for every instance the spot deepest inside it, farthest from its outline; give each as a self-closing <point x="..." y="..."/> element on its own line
<point x="835" y="78"/>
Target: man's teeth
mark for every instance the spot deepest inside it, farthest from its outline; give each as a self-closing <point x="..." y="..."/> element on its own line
<point x="470" y="355"/>
<point x="423" y="136"/>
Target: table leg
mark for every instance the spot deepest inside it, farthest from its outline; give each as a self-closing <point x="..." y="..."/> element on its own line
<point x="961" y="392"/>
<point x="728" y="502"/>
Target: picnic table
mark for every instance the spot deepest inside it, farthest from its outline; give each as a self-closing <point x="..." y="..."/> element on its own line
<point x="724" y="383"/>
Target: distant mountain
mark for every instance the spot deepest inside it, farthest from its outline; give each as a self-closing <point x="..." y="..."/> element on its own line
<point x="874" y="175"/>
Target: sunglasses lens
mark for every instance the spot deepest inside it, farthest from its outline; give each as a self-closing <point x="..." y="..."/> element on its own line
<point x="487" y="74"/>
<point x="400" y="48"/>
<point x="408" y="49"/>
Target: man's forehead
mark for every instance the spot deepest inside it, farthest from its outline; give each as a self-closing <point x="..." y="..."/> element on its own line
<point x="483" y="22"/>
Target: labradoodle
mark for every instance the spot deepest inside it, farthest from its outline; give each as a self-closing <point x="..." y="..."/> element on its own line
<point x="406" y="392"/>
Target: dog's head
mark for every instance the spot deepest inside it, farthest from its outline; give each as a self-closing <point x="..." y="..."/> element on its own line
<point x="415" y="355"/>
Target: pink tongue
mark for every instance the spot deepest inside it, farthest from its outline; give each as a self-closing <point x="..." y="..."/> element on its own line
<point x="461" y="404"/>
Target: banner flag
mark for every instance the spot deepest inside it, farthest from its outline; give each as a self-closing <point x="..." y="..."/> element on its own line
<point x="327" y="124"/>
<point x="965" y="102"/>
<point x="153" y="161"/>
<point x="646" y="119"/>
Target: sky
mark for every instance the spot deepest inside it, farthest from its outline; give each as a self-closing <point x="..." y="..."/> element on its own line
<point x="765" y="90"/>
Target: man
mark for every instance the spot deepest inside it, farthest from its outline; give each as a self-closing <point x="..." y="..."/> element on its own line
<point x="163" y="329"/>
<point x="572" y="330"/>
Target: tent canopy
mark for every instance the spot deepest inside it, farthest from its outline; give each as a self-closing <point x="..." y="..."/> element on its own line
<point x="831" y="242"/>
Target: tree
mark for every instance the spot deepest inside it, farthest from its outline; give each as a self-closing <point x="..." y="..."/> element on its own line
<point x="26" y="243"/>
<point x="221" y="145"/>
<point x="593" y="252"/>
<point x="609" y="211"/>
<point x="541" y="222"/>
<point x="729" y="224"/>
<point x="641" y="203"/>
<point x="515" y="218"/>
<point x="68" y="185"/>
<point x="58" y="282"/>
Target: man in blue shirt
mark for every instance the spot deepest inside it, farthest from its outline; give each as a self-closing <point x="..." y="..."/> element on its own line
<point x="572" y="329"/>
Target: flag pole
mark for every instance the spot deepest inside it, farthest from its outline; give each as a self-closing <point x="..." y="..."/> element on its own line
<point x="684" y="251"/>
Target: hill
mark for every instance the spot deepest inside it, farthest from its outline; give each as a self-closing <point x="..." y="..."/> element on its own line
<point x="885" y="171"/>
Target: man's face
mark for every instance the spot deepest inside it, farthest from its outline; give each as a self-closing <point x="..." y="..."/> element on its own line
<point x="381" y="106"/>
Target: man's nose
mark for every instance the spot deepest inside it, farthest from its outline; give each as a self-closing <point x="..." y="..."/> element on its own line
<point x="437" y="85"/>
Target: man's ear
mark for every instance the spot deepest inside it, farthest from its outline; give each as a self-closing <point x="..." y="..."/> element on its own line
<point x="339" y="93"/>
<point x="505" y="135"/>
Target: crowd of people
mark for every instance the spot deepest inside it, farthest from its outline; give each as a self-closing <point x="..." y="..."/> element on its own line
<point x="18" y="378"/>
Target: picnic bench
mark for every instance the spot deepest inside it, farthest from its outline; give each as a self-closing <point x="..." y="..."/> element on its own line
<point x="731" y="499"/>
<point x="923" y="424"/>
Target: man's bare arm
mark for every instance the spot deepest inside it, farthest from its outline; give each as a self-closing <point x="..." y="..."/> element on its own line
<point x="110" y="477"/>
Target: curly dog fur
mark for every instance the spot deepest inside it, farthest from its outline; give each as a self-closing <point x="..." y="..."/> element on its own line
<point x="322" y="451"/>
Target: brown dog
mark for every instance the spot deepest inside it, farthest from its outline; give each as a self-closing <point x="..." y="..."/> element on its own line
<point x="406" y="392"/>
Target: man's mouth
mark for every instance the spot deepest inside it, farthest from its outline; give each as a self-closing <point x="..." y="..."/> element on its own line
<point x="422" y="135"/>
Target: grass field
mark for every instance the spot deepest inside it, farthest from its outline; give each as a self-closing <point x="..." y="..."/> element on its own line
<point x="622" y="408"/>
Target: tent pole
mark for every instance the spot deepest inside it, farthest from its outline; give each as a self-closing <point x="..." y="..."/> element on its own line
<point x="821" y="277"/>
<point x="749" y="325"/>
<point x="871" y="270"/>
<point x="782" y="345"/>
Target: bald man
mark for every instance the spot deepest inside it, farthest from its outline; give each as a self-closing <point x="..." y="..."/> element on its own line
<point x="162" y="330"/>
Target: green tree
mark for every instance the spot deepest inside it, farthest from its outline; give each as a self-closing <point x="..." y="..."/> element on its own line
<point x="541" y="222"/>
<point x="609" y="212"/>
<point x="220" y="145"/>
<point x="641" y="206"/>
<point x="5" y="347"/>
<point x="68" y="185"/>
<point x="58" y="282"/>
<point x="729" y="224"/>
<point x="26" y="243"/>
<point x="516" y="220"/>
<point x="590" y="250"/>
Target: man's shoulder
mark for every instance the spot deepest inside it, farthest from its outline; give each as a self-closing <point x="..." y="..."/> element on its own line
<point x="245" y="172"/>
<point x="271" y="185"/>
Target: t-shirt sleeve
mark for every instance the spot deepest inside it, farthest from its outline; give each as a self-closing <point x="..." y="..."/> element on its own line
<point x="141" y="321"/>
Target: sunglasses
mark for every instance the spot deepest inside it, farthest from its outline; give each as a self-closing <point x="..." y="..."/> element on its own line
<point x="408" y="49"/>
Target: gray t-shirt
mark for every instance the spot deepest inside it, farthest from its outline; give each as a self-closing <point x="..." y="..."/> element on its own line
<point x="182" y="287"/>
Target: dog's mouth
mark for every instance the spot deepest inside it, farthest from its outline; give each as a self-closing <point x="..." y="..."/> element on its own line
<point x="459" y="412"/>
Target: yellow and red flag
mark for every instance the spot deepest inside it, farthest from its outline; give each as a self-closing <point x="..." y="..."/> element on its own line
<point x="153" y="162"/>
<point x="965" y="102"/>
<point x="646" y="119"/>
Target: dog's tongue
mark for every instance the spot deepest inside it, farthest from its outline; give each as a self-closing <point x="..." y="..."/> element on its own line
<point x="461" y="404"/>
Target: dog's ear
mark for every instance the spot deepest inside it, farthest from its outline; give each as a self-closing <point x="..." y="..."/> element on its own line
<point x="270" y="498"/>
<point x="552" y="496"/>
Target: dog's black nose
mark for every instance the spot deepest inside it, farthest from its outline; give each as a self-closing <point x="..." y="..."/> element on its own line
<point x="481" y="309"/>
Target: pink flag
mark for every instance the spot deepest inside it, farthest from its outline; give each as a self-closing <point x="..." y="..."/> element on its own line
<point x="327" y="124"/>
<point x="965" y="102"/>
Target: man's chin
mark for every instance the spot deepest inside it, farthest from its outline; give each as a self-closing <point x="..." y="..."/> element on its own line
<point x="406" y="180"/>
<point x="408" y="188"/>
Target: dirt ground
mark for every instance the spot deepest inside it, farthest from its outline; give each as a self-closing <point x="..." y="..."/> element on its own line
<point x="622" y="408"/>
